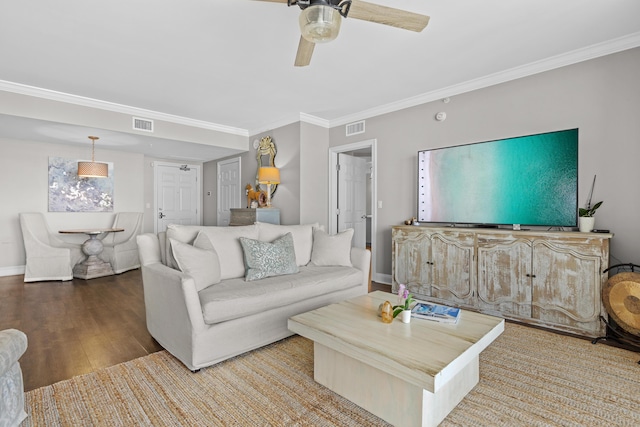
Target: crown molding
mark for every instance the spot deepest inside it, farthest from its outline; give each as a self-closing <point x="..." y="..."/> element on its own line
<point x="293" y="118"/>
<point x="301" y="117"/>
<point x="315" y="120"/>
<point x="82" y="101"/>
<point x="579" y="55"/>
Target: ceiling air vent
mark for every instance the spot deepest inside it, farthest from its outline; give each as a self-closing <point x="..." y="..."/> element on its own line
<point x="355" y="128"/>
<point x="144" y="125"/>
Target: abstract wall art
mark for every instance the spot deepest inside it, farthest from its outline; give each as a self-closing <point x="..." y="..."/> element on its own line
<point x="69" y="193"/>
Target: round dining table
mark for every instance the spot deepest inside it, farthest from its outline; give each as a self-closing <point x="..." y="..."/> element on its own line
<point x="93" y="266"/>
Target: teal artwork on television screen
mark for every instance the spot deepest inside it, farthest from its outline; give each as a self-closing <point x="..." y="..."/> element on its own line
<point x="528" y="180"/>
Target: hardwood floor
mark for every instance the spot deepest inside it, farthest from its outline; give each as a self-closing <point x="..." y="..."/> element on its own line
<point x="79" y="326"/>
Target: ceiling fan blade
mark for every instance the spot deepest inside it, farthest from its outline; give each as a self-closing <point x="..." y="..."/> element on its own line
<point x="387" y="16"/>
<point x="305" y="50"/>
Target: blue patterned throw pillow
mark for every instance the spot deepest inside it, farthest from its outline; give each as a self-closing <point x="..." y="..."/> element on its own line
<point x="264" y="259"/>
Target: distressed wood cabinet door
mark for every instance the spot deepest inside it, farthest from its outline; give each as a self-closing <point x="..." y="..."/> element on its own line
<point x="550" y="279"/>
<point x="504" y="270"/>
<point x="567" y="284"/>
<point x="452" y="262"/>
<point x="410" y="260"/>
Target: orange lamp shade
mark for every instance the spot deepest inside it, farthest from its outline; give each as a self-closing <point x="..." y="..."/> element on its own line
<point x="269" y="175"/>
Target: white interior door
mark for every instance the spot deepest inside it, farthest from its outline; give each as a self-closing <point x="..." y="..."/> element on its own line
<point x="352" y="194"/>
<point x="177" y="195"/>
<point x="229" y="189"/>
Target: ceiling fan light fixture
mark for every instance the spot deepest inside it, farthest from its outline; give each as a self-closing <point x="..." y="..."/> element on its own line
<point x="320" y="23"/>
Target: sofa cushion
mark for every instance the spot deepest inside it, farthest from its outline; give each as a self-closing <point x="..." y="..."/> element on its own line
<point x="181" y="233"/>
<point x="265" y="259"/>
<point x="235" y="298"/>
<point x="331" y="250"/>
<point x="223" y="239"/>
<point x="202" y="242"/>
<point x="202" y="265"/>
<point x="302" y="238"/>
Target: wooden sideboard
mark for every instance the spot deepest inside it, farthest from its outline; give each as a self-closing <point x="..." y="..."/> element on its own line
<point x="248" y="216"/>
<point x="550" y="279"/>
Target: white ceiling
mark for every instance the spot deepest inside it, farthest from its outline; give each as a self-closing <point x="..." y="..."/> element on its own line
<point x="230" y="62"/>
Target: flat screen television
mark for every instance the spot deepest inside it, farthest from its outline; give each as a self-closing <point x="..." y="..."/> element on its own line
<point x="528" y="180"/>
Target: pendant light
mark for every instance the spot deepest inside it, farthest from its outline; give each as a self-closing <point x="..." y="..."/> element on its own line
<point x="93" y="169"/>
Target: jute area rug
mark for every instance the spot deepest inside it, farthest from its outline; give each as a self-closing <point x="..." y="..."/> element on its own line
<point x="528" y="377"/>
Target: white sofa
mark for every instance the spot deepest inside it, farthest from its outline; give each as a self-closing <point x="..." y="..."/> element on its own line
<point x="210" y="312"/>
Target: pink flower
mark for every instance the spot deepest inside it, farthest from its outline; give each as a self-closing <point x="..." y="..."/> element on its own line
<point x="402" y="290"/>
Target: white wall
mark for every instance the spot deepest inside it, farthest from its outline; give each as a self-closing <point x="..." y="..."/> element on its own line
<point x="601" y="97"/>
<point x="287" y="197"/>
<point x="24" y="188"/>
<point x="210" y="185"/>
<point x="314" y="179"/>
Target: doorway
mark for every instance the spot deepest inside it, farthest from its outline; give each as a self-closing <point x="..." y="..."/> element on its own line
<point x="177" y="193"/>
<point x="348" y="178"/>
<point x="229" y="191"/>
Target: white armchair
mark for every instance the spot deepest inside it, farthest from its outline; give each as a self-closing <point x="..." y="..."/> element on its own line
<point x="121" y="249"/>
<point x="47" y="256"/>
<point x="13" y="344"/>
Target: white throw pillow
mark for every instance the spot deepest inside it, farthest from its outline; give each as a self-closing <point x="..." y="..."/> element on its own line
<point x="181" y="233"/>
<point x="331" y="250"/>
<point x="302" y="238"/>
<point x="201" y="264"/>
<point x="225" y="241"/>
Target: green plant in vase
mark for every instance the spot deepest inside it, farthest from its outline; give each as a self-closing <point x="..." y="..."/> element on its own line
<point x="589" y="211"/>
<point x="586" y="221"/>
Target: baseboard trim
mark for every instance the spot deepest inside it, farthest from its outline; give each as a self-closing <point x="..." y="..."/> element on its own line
<point x="382" y="278"/>
<point x="12" y="271"/>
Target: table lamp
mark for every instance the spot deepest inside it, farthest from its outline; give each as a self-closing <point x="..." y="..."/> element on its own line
<point x="269" y="175"/>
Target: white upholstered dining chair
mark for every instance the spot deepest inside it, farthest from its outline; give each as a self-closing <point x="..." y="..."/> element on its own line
<point x="47" y="256"/>
<point x="121" y="249"/>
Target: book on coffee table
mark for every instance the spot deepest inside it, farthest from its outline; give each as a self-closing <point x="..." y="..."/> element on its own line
<point x="435" y="312"/>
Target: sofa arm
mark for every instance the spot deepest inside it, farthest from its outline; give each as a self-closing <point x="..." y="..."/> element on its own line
<point x="361" y="259"/>
<point x="148" y="248"/>
<point x="171" y="299"/>
<point x="13" y="344"/>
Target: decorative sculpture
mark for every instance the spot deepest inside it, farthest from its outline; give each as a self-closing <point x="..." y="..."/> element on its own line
<point x="259" y="196"/>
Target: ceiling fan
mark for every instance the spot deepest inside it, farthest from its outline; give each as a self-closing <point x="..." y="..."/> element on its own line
<point x="320" y="21"/>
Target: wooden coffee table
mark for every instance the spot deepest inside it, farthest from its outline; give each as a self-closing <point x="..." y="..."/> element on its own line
<point x="407" y="374"/>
